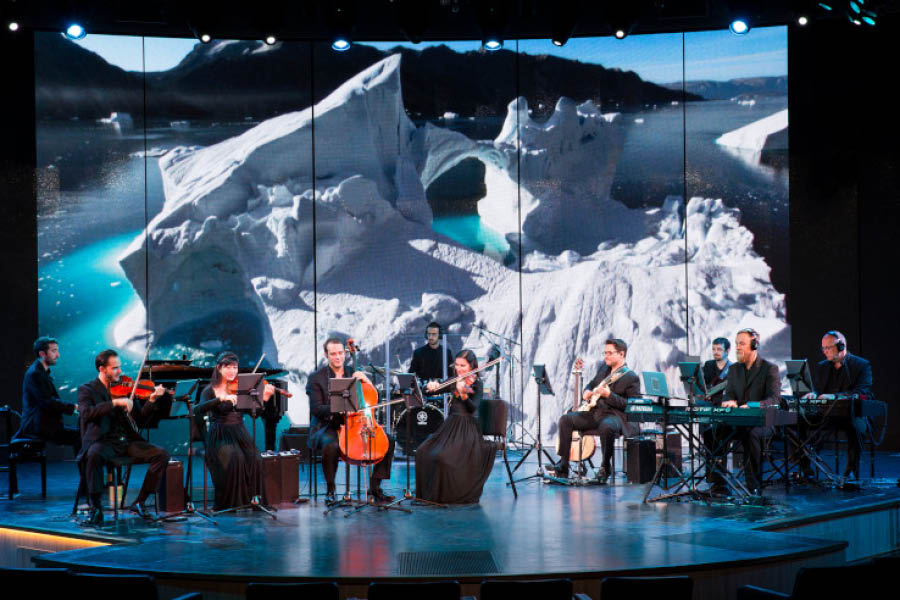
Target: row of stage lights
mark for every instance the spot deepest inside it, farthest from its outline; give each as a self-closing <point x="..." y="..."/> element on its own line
<point x="857" y="13"/>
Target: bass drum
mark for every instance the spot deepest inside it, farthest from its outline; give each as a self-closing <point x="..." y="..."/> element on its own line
<point x="423" y="421"/>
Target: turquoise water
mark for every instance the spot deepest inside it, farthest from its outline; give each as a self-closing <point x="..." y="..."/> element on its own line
<point x="80" y="298"/>
<point x="469" y="231"/>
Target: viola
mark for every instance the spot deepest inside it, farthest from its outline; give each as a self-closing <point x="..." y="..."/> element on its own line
<point x="361" y="440"/>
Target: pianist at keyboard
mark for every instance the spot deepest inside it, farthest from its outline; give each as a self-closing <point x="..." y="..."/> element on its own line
<point x="842" y="373"/>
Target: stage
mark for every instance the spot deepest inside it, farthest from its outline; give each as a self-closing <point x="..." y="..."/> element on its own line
<point x="585" y="533"/>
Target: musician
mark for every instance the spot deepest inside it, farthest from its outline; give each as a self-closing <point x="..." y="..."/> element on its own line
<point x="42" y="410"/>
<point x="231" y="454"/>
<point x="608" y="415"/>
<point x="715" y="371"/>
<point x="455" y="461"/>
<point x="108" y="433"/>
<point x="323" y="426"/>
<point x="842" y="373"/>
<point x="428" y="360"/>
<point x="751" y="379"/>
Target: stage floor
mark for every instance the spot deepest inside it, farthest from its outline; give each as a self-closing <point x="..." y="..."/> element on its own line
<point x="548" y="530"/>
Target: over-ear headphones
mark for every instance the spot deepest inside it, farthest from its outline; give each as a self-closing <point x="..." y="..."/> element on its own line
<point x="839" y="345"/>
<point x="432" y="325"/>
<point x="754" y="337"/>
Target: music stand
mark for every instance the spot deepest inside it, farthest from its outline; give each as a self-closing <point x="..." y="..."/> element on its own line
<point x="799" y="377"/>
<point x="408" y="384"/>
<point x="543" y="387"/>
<point x="692" y="377"/>
<point x="344" y="394"/>
<point x="182" y="409"/>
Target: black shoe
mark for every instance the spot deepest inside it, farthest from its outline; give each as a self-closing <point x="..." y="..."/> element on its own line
<point x="602" y="475"/>
<point x="94" y="518"/>
<point x="140" y="510"/>
<point x="560" y="470"/>
<point x="379" y="497"/>
<point x="330" y="496"/>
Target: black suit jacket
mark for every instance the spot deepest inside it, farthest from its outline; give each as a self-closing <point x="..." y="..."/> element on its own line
<point x="97" y="413"/>
<point x="855" y="376"/>
<point x="42" y="409"/>
<point x="712" y="378"/>
<point x="760" y="383"/>
<point x="626" y="386"/>
<point x="320" y="417"/>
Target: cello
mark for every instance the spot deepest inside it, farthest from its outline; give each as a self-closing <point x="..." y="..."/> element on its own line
<point x="361" y="440"/>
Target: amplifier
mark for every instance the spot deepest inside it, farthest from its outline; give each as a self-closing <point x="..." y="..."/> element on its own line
<point x="281" y="477"/>
<point x="171" y="488"/>
<point x="271" y="479"/>
<point x="296" y="439"/>
<point x="639" y="464"/>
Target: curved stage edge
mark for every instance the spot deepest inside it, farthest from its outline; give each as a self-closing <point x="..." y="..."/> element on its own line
<point x="585" y="533"/>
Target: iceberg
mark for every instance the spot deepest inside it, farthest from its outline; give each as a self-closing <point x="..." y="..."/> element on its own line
<point x="235" y="233"/>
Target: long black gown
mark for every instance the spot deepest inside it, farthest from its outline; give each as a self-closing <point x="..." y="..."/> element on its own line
<point x="231" y="456"/>
<point x="455" y="461"/>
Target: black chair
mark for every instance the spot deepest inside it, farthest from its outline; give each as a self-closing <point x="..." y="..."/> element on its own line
<point x="133" y="587"/>
<point x="433" y="590"/>
<point x="816" y="583"/>
<point x="671" y="588"/>
<point x="46" y="583"/>
<point x="26" y="450"/>
<point x="325" y="590"/>
<point x="546" y="589"/>
<point x="492" y="415"/>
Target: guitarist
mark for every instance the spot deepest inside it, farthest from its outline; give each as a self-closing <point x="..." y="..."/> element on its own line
<point x="606" y="412"/>
<point x="715" y="372"/>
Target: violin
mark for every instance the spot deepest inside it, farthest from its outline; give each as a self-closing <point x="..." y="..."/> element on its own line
<point x="143" y="388"/>
<point x="361" y="440"/>
<point x="232" y="388"/>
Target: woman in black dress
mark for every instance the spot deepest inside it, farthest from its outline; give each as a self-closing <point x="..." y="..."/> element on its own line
<point x="231" y="455"/>
<point x="455" y="461"/>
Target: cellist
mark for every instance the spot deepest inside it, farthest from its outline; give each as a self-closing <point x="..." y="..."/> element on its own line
<point x="323" y="426"/>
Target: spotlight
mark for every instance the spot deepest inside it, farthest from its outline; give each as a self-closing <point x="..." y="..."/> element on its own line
<point x="412" y="17"/>
<point x="739" y="27"/>
<point x="620" y="34"/>
<point x="340" y="44"/>
<point x="205" y="38"/>
<point x="492" y="20"/>
<point x="75" y="31"/>
<point x="270" y="40"/>
<point x="340" y="18"/>
<point x="826" y="6"/>
<point x="492" y="44"/>
<point x="854" y="7"/>
<point x="13" y="26"/>
<point x="565" y="19"/>
<point x="623" y="17"/>
<point x="802" y="20"/>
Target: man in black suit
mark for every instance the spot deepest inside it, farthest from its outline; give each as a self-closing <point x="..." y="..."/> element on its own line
<point x="843" y="373"/>
<point x="42" y="410"/>
<point x="108" y="432"/>
<point x="752" y="379"/>
<point x="607" y="415"/>
<point x="715" y="372"/>
<point x="323" y="425"/>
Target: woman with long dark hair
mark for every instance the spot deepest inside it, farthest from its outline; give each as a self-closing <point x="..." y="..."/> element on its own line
<point x="231" y="455"/>
<point x="455" y="461"/>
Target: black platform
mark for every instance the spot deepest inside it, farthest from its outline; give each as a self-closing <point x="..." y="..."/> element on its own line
<point x="583" y="533"/>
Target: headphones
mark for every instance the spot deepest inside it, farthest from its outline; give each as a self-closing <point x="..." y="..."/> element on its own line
<point x="754" y="337"/>
<point x="839" y="345"/>
<point x="432" y="325"/>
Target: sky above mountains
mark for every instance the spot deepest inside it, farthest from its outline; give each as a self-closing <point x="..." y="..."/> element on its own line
<point x="659" y="58"/>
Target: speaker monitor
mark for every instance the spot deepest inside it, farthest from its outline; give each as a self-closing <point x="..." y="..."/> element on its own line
<point x="171" y="488"/>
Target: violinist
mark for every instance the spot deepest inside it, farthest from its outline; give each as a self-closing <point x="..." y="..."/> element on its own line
<point x="231" y="455"/>
<point x="108" y="426"/>
<point x="323" y="426"/>
<point x="455" y="461"/>
<point x="42" y="410"/>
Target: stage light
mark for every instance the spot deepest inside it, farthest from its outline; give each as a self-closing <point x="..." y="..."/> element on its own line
<point x="340" y="19"/>
<point x="75" y="31"/>
<point x="854" y="7"/>
<point x="565" y="19"/>
<point x="205" y="38"/>
<point x="492" y="20"/>
<point x="492" y="44"/>
<point x="13" y="26"/>
<point x="620" y="34"/>
<point x="412" y="17"/>
<point x="739" y="27"/>
<point x="825" y="6"/>
<point x="340" y="44"/>
<point x="802" y="20"/>
<point x="270" y="40"/>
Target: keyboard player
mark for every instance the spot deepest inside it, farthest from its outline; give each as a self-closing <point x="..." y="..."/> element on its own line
<point x="751" y="379"/>
<point x="841" y="373"/>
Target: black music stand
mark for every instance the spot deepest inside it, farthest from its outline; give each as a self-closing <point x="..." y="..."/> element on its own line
<point x="250" y="397"/>
<point x="182" y="408"/>
<point x="408" y="384"/>
<point x="344" y="394"/>
<point x="543" y="387"/>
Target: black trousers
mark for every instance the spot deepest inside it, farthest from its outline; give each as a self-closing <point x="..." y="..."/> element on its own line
<point x="67" y="436"/>
<point x="608" y="429"/>
<point x="101" y="452"/>
<point x="331" y="454"/>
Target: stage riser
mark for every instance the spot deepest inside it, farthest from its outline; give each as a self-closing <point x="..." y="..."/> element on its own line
<point x="17" y="547"/>
<point x="867" y="533"/>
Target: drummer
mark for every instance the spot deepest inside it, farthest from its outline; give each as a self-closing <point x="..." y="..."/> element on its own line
<point x="428" y="361"/>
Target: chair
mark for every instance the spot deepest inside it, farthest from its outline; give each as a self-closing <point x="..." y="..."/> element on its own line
<point x="547" y="589"/>
<point x="492" y="414"/>
<point x="815" y="583"/>
<point x="115" y="465"/>
<point x="133" y="587"/>
<point x="433" y="590"/>
<point x="26" y="450"/>
<point x="325" y="590"/>
<point x="46" y="583"/>
<point x="671" y="588"/>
